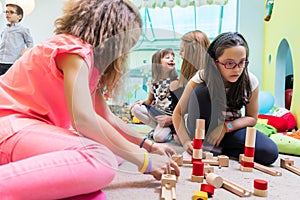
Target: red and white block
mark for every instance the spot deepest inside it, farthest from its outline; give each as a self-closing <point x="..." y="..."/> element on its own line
<point x="247" y="160"/>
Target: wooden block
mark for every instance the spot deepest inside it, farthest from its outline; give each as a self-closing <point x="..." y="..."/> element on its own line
<point x="200" y="129"/>
<point x="178" y="159"/>
<point x="246" y="158"/>
<point x="168" y="193"/>
<point x="200" y="134"/>
<point x="284" y="162"/>
<point x="235" y="188"/>
<point x="250" y="137"/>
<point x="208" y="155"/>
<point x="208" y="188"/>
<point x="197" y="153"/>
<point x="214" y="180"/>
<point x="200" y="195"/>
<point x="198" y="179"/>
<point x="168" y="185"/>
<point x="289" y="164"/>
<point x="260" y="188"/>
<point x="200" y="124"/>
<point x="198" y="168"/>
<point x="223" y="161"/>
<point x="246" y="169"/>
<point x="260" y="193"/>
<point x="168" y="179"/>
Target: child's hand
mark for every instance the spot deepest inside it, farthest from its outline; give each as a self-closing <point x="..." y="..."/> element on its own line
<point x="188" y="146"/>
<point x="162" y="164"/>
<point x="164" y="120"/>
<point x="216" y="136"/>
<point x="162" y="149"/>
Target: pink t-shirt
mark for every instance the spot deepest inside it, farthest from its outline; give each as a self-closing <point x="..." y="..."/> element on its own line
<point x="32" y="90"/>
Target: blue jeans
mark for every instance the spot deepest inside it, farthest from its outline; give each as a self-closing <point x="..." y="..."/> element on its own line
<point x="233" y="144"/>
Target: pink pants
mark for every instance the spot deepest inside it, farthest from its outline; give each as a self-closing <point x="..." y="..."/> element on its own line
<point x="47" y="162"/>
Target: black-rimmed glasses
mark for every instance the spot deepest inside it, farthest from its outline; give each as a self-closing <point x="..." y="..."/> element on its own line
<point x="232" y="65"/>
<point x="9" y="12"/>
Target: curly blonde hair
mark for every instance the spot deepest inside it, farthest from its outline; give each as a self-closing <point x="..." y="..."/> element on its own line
<point x="112" y="27"/>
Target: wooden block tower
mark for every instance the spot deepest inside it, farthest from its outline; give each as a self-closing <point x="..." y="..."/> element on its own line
<point x="247" y="160"/>
<point x="198" y="165"/>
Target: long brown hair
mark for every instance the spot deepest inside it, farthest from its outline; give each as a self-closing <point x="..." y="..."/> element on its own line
<point x="112" y="27"/>
<point x="195" y="45"/>
<point x="239" y="92"/>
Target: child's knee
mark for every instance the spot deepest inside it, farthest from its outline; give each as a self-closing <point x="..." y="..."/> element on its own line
<point x="161" y="134"/>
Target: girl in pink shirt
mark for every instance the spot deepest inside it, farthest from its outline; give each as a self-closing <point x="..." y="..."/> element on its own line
<point x="58" y="138"/>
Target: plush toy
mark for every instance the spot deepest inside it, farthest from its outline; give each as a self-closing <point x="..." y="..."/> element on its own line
<point x="280" y="118"/>
<point x="286" y="144"/>
<point x="287" y="115"/>
<point x="279" y="123"/>
<point x="265" y="129"/>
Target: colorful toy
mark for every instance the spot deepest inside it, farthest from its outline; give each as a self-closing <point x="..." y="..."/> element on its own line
<point x="286" y="144"/>
<point x="200" y="195"/>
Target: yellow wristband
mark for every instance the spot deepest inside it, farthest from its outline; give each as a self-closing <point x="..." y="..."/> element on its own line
<point x="146" y="163"/>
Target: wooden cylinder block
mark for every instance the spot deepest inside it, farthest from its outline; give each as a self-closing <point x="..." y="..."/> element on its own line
<point x="197" y="153"/>
<point x="250" y="137"/>
<point x="214" y="180"/>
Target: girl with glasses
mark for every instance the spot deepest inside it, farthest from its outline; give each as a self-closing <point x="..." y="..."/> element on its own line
<point x="225" y="86"/>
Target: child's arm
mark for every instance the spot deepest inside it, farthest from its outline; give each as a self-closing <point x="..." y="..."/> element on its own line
<point x="88" y="123"/>
<point x="251" y="113"/>
<point x="178" y="116"/>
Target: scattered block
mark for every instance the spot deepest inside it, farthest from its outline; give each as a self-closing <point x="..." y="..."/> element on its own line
<point x="263" y="168"/>
<point x="260" y="188"/>
<point x="200" y="195"/>
<point x="178" y="159"/>
<point x="214" y="180"/>
<point x="236" y="189"/>
<point x="168" y="185"/>
<point x="289" y="164"/>
<point x="207" y="188"/>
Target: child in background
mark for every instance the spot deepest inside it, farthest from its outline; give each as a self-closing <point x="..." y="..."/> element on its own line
<point x="224" y="87"/>
<point x="15" y="39"/>
<point x="193" y="46"/>
<point x="156" y="111"/>
<point x="58" y="139"/>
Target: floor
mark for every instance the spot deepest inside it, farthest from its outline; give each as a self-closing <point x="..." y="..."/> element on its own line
<point x="128" y="184"/>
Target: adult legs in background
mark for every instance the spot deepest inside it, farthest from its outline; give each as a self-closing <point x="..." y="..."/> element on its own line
<point x="266" y="151"/>
<point x="47" y="162"/>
